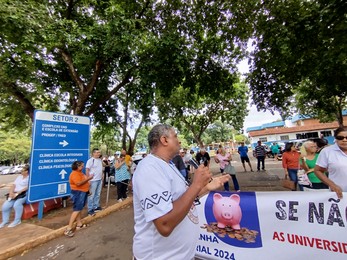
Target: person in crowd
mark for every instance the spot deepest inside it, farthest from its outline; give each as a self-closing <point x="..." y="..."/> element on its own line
<point x="243" y="151"/>
<point x="290" y="163"/>
<point x="275" y="149"/>
<point x="191" y="168"/>
<point x="94" y="169"/>
<point x="334" y="160"/>
<point x="107" y="168"/>
<point x="16" y="198"/>
<point x="321" y="143"/>
<point x="308" y="162"/>
<point x="79" y="184"/>
<point x="128" y="159"/>
<point x="203" y="157"/>
<point x="224" y="158"/>
<point x="187" y="156"/>
<point x="260" y="154"/>
<point x="323" y="139"/>
<point x="179" y="163"/>
<point x="122" y="178"/>
<point x="164" y="207"/>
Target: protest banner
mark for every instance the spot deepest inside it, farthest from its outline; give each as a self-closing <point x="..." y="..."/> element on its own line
<point x="272" y="225"/>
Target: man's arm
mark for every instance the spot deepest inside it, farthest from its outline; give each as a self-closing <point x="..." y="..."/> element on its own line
<point x="88" y="172"/>
<point x="167" y="223"/>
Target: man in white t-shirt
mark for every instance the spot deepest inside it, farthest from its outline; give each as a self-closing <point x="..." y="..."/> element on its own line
<point x="166" y="221"/>
<point x="94" y="168"/>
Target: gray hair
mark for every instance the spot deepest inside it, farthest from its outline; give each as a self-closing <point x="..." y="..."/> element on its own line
<point x="307" y="143"/>
<point x="157" y="132"/>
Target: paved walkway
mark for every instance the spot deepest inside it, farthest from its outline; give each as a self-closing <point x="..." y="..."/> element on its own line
<point x="23" y="237"/>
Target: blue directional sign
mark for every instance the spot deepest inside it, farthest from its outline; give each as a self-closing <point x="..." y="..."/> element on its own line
<point x="57" y="141"/>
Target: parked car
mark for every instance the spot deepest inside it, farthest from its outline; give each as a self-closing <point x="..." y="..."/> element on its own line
<point x="18" y="169"/>
<point x="5" y="170"/>
<point x="12" y="170"/>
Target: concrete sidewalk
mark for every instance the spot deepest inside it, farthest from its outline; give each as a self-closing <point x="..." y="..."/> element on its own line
<point x="29" y="234"/>
<point x="14" y="241"/>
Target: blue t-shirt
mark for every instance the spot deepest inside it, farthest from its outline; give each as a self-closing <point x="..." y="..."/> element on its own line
<point x="243" y="151"/>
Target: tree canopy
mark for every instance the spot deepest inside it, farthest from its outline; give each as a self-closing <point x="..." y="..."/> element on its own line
<point x="196" y="112"/>
<point x="300" y="51"/>
<point x="89" y="57"/>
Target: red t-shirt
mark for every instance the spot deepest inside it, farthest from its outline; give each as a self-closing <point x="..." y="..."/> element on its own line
<point x="76" y="177"/>
<point x="290" y="160"/>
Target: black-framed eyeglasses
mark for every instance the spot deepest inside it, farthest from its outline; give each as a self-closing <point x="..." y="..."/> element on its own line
<point x="340" y="137"/>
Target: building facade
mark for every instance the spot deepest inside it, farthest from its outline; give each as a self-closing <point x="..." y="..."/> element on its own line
<point x="299" y="127"/>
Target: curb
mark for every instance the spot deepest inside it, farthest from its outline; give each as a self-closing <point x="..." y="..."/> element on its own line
<point x="30" y="244"/>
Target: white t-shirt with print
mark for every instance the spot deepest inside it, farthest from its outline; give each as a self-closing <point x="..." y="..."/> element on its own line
<point x="334" y="160"/>
<point x="95" y="167"/>
<point x="156" y="184"/>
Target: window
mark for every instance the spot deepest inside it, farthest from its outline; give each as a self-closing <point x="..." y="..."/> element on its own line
<point x="326" y="133"/>
<point x="306" y="135"/>
<point x="263" y="139"/>
<point x="300" y="136"/>
<point x="284" y="137"/>
<point x="312" y="135"/>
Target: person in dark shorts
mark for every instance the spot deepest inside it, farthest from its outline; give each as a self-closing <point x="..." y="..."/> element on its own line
<point x="79" y="184"/>
<point x="243" y="151"/>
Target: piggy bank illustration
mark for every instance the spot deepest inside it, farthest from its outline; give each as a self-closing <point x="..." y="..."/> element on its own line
<point x="227" y="211"/>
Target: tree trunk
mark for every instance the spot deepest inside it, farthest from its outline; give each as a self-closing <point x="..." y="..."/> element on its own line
<point x="124" y="126"/>
<point x="131" y="147"/>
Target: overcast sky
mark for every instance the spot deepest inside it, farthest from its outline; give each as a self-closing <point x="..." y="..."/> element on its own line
<point x="254" y="117"/>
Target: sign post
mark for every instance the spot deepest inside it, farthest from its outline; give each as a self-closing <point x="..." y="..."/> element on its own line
<point x="57" y="141"/>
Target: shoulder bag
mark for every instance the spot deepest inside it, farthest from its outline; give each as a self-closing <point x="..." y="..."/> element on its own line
<point x="230" y="169"/>
<point x="302" y="177"/>
<point x="19" y="196"/>
<point x="288" y="184"/>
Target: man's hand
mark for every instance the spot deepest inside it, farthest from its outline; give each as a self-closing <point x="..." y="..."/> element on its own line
<point x="202" y="176"/>
<point x="217" y="182"/>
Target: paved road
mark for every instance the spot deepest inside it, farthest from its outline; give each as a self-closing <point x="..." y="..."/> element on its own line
<point x="106" y="238"/>
<point x="111" y="237"/>
<point x="5" y="181"/>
